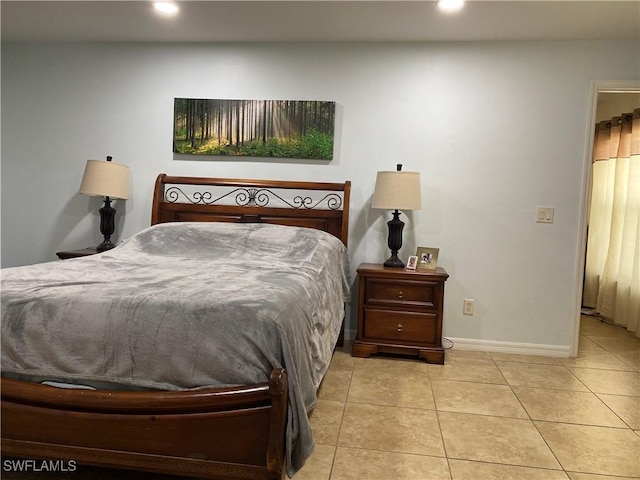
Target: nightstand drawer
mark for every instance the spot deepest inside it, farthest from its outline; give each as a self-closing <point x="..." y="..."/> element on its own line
<point x="403" y="292"/>
<point x="405" y="327"/>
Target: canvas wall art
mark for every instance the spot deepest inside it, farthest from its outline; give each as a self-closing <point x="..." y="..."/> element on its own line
<point x="254" y="128"/>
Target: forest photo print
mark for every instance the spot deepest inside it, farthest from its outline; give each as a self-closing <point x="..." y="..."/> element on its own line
<point x="254" y="128"/>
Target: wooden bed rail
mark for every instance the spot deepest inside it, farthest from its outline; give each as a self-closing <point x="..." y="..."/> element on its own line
<point x="203" y="433"/>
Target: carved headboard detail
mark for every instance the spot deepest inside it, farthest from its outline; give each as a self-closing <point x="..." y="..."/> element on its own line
<point x="324" y="206"/>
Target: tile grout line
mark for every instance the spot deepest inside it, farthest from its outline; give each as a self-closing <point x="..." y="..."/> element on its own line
<point x="437" y="411"/>
<point x="344" y="409"/>
<point x="612" y="410"/>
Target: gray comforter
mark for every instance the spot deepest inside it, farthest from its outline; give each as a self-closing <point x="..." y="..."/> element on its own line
<point x="184" y="305"/>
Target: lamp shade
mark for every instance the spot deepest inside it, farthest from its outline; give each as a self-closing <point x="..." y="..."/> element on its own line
<point x="397" y="191"/>
<point x="105" y="179"/>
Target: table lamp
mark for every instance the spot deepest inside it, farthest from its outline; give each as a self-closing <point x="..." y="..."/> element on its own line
<point x="110" y="180"/>
<point x="396" y="191"/>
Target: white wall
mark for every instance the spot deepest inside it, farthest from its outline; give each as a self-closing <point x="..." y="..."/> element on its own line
<point x="496" y="129"/>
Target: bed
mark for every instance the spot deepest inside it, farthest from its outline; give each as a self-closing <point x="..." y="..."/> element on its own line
<point x="239" y="412"/>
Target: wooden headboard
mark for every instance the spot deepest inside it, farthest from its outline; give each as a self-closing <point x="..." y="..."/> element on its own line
<point x="323" y="206"/>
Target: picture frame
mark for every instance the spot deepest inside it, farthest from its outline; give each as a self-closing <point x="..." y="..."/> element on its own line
<point x="427" y="258"/>
<point x="412" y="262"/>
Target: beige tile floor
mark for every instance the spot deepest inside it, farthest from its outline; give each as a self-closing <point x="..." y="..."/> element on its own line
<point x="483" y="416"/>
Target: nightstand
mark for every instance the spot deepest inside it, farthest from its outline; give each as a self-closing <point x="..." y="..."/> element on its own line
<point x="400" y="311"/>
<point x="83" y="252"/>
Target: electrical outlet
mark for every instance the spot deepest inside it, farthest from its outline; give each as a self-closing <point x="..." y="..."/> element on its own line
<point x="467" y="308"/>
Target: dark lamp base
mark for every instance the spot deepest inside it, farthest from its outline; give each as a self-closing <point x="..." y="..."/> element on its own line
<point x="104" y="246"/>
<point x="107" y="225"/>
<point x="394" y="262"/>
<point x="395" y="241"/>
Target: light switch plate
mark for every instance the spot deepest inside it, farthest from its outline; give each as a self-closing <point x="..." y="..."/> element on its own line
<point x="544" y="215"/>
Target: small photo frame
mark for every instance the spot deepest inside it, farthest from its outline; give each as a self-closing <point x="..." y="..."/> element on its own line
<point x="427" y="258"/>
<point x="412" y="262"/>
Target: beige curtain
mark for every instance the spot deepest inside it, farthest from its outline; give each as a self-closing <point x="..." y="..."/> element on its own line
<point x="612" y="272"/>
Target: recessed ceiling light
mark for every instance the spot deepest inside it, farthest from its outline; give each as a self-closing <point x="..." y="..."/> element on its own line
<point x="450" y="5"/>
<point x="165" y="8"/>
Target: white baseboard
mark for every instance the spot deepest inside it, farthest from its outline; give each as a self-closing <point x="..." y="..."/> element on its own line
<point x="496" y="346"/>
<point x="511" y="347"/>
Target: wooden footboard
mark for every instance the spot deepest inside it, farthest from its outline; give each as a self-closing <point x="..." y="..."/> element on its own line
<point x="230" y="433"/>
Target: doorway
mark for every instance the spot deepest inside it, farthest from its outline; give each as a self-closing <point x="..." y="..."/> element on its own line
<point x="606" y="97"/>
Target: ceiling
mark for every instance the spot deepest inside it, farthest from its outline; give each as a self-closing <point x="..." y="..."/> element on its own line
<point x="319" y="21"/>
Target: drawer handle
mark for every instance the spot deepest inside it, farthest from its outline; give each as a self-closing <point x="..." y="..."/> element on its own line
<point x="400" y="294"/>
<point x="399" y="328"/>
